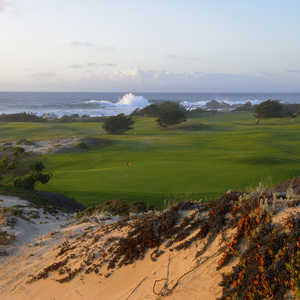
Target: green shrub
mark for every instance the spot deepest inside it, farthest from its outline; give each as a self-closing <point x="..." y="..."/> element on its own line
<point x="21" y="117"/>
<point x="82" y="146"/>
<point x="28" y="182"/>
<point x="291" y="109"/>
<point x="37" y="166"/>
<point x="4" y="162"/>
<point x="170" y="113"/>
<point x="118" y="124"/>
<point x="18" y="151"/>
<point x="7" y="164"/>
<point x="42" y="178"/>
<point x="151" y="110"/>
<point x="269" y="109"/>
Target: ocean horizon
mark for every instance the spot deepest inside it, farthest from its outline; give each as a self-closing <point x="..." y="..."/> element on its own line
<point x="106" y="103"/>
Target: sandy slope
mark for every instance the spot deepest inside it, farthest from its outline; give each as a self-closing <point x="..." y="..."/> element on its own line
<point x="135" y="281"/>
<point x="202" y="283"/>
<point x="193" y="278"/>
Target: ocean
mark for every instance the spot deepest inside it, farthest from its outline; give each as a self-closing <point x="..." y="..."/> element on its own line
<point x="106" y="104"/>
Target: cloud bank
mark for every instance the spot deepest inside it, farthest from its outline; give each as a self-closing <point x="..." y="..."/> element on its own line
<point x="92" y="76"/>
<point x="43" y="75"/>
<point x="90" y="65"/>
<point x="163" y="81"/>
<point x="81" y="44"/>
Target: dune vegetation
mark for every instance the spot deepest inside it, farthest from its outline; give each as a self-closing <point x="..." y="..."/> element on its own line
<point x="198" y="159"/>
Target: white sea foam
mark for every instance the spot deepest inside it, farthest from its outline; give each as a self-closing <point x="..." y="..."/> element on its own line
<point x="134" y="101"/>
<point x="127" y="104"/>
<point x="100" y="102"/>
<point x="190" y="105"/>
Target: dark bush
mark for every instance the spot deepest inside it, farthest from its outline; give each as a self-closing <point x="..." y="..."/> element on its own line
<point x="42" y="178"/>
<point x="69" y="118"/>
<point x="7" y="164"/>
<point x="82" y="146"/>
<point x="21" y="117"/>
<point x="151" y="110"/>
<point x="77" y="118"/>
<point x="118" y="124"/>
<point x="4" y="162"/>
<point x="291" y="109"/>
<point x="34" y="175"/>
<point x="170" y="113"/>
<point x="18" y="151"/>
<point x="28" y="182"/>
<point x="269" y="109"/>
<point x="37" y="166"/>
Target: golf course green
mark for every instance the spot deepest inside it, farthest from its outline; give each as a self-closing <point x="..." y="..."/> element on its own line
<point x="199" y="159"/>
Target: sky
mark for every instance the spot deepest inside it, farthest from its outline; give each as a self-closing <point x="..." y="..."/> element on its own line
<point x="150" y="46"/>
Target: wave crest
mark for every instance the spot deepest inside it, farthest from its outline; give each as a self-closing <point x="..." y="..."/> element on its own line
<point x="127" y="104"/>
<point x="132" y="100"/>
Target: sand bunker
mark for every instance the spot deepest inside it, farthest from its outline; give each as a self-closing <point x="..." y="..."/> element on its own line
<point x="59" y="145"/>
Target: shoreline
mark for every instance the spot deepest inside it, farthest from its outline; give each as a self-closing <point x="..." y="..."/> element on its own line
<point x="98" y="105"/>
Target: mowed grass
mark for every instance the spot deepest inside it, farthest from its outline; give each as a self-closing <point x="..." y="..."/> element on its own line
<point x="199" y="159"/>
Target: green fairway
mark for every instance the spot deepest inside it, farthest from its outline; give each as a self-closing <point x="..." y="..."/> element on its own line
<point x="201" y="158"/>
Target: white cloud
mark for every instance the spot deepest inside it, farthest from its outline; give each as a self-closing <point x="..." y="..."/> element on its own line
<point x="108" y="65"/>
<point x="163" y="81"/>
<point x="85" y="44"/>
<point x="81" y="44"/>
<point x="91" y="65"/>
<point x="139" y="80"/>
<point x="76" y="66"/>
<point x="43" y="75"/>
<point x="182" y="58"/>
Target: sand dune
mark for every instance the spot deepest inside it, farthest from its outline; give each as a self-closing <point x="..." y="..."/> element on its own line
<point x="148" y="256"/>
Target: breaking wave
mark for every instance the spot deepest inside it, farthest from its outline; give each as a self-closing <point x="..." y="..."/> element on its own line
<point x="130" y="100"/>
<point x="127" y="104"/>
